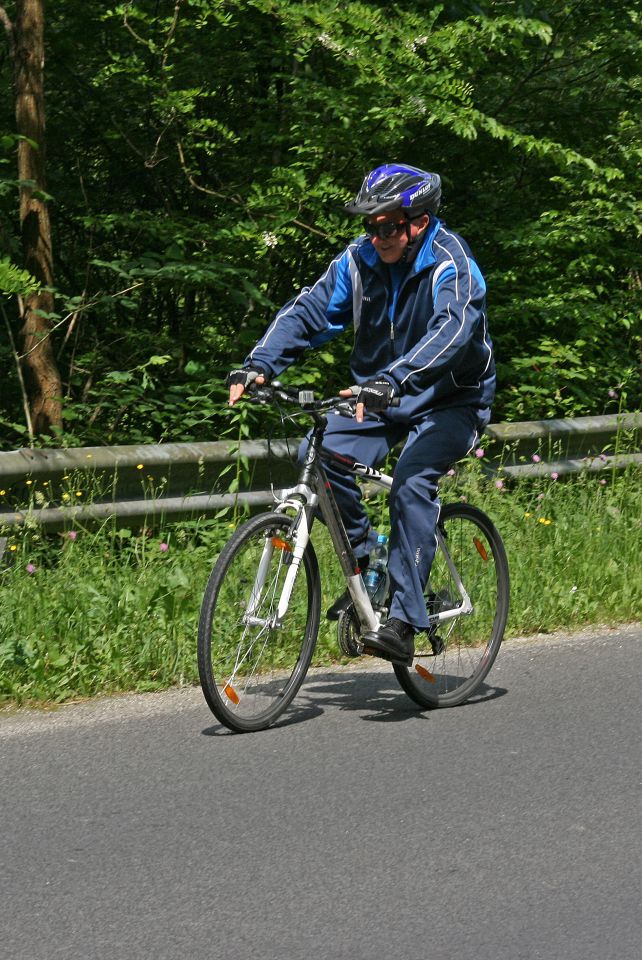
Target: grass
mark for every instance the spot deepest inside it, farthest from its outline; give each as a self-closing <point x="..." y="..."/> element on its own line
<point x="87" y="612"/>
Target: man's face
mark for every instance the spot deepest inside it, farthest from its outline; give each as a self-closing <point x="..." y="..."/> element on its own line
<point x="391" y="248"/>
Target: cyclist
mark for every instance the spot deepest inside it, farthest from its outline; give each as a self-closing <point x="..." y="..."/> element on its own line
<point x="410" y="290"/>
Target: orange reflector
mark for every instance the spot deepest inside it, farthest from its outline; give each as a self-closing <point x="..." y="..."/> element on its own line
<point x="481" y="549"/>
<point x="281" y="544"/>
<point x="231" y="693"/>
<point x="426" y="674"/>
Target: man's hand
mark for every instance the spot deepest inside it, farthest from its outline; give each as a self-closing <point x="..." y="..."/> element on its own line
<point x="239" y="380"/>
<point x="374" y="395"/>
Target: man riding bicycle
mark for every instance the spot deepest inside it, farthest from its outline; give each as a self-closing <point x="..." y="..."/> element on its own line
<point x="413" y="295"/>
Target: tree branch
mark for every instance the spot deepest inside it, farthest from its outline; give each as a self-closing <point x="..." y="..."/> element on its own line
<point x="10" y="30"/>
<point x="75" y="313"/>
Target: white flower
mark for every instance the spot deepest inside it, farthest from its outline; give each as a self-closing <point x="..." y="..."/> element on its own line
<point x="419" y="105"/>
<point x="326" y="41"/>
<point x="270" y="239"/>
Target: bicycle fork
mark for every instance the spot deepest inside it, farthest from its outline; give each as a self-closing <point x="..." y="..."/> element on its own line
<point x="291" y="556"/>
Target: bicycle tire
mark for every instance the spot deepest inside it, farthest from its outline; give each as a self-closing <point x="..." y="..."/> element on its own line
<point x="249" y="674"/>
<point x="449" y="677"/>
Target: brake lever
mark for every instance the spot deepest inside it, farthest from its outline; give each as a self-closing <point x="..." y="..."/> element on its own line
<point x="347" y="408"/>
<point x="259" y="394"/>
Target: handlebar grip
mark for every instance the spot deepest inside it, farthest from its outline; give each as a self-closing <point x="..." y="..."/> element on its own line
<point x="395" y="402"/>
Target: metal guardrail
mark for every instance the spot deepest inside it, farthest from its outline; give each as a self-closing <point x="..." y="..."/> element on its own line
<point x="192" y="479"/>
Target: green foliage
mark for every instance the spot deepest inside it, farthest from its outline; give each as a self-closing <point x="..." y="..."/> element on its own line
<point x="14" y="280"/>
<point x="199" y="155"/>
<point x="103" y="611"/>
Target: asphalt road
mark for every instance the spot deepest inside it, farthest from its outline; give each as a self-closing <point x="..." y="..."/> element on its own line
<point x="360" y="828"/>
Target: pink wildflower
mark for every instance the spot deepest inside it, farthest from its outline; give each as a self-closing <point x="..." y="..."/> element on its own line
<point x="603" y="482"/>
<point x="479" y="452"/>
<point x="30" y="568"/>
<point x="163" y="547"/>
<point x="554" y="475"/>
<point x="613" y="394"/>
<point x="499" y="484"/>
<point x="72" y="534"/>
<point x="536" y="458"/>
<point x="451" y="473"/>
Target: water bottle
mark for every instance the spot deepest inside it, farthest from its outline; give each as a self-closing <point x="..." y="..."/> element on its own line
<point x="376" y="578"/>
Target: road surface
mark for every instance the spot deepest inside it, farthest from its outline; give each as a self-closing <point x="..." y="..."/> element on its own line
<point x="360" y="828"/>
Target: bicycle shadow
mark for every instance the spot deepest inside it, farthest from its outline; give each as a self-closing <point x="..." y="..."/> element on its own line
<point x="375" y="694"/>
<point x="378" y="693"/>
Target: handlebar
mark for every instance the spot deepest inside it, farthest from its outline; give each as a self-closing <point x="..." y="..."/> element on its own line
<point x="304" y="398"/>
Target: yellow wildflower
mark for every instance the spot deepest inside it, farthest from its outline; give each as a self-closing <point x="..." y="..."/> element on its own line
<point x="140" y="466"/>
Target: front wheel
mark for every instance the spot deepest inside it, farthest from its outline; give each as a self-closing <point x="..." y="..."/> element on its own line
<point x="250" y="665"/>
<point x="453" y="658"/>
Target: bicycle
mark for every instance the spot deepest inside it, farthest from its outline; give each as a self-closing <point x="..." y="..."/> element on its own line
<point x="262" y="605"/>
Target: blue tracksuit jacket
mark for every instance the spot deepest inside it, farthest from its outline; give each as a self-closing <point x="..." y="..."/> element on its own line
<point x="423" y="324"/>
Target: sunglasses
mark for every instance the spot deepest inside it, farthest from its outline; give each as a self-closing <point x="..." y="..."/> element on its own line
<point x="384" y="230"/>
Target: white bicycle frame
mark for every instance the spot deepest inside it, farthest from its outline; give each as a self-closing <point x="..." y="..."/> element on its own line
<point x="304" y="502"/>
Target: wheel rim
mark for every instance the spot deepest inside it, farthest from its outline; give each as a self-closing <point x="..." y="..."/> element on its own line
<point x="254" y="665"/>
<point x="469" y="641"/>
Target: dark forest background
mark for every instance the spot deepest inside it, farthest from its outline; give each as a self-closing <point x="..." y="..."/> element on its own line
<point x="172" y="172"/>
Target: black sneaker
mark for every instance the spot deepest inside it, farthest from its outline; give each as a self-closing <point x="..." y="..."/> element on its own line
<point x="393" y="641"/>
<point x="340" y="604"/>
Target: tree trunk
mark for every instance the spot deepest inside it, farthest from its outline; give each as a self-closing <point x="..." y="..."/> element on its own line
<point x="40" y="370"/>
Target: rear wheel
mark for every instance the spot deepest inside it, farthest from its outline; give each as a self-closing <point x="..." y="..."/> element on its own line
<point x="453" y="658"/>
<point x="250" y="666"/>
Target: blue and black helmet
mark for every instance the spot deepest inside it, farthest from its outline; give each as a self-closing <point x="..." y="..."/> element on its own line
<point x="396" y="186"/>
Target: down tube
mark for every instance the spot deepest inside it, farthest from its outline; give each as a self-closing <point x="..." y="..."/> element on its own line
<point x="332" y="519"/>
<point x="334" y="523"/>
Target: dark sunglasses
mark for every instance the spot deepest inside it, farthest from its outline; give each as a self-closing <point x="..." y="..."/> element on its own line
<point x="384" y="230"/>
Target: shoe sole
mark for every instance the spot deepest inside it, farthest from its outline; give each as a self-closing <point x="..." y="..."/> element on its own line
<point x="404" y="661"/>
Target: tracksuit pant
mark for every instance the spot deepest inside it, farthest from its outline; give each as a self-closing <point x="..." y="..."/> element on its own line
<point x="433" y="445"/>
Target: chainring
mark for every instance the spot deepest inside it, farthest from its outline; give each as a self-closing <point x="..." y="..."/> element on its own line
<point x="348" y="631"/>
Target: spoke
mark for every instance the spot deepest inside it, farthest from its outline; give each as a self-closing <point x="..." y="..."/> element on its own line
<point x="266" y="604"/>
